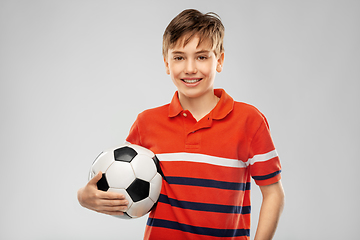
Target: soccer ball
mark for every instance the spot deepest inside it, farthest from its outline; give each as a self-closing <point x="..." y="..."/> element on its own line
<point x="133" y="171"/>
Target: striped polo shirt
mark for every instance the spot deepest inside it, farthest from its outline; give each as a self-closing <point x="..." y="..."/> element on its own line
<point x="207" y="167"/>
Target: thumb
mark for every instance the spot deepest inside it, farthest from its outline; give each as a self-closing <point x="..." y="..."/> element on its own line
<point x="96" y="178"/>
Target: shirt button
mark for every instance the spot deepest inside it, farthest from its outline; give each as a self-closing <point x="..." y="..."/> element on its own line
<point x="184" y="114"/>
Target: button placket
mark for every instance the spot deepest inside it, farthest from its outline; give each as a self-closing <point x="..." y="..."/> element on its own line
<point x="192" y="138"/>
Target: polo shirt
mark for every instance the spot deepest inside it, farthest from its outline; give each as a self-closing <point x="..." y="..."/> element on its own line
<point x="207" y="167"/>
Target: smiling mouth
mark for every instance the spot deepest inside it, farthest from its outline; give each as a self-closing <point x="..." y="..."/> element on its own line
<point x="191" y="80"/>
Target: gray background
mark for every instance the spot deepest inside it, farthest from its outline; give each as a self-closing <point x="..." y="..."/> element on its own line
<point x="74" y="75"/>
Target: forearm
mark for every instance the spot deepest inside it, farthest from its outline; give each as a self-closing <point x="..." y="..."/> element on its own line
<point x="271" y="209"/>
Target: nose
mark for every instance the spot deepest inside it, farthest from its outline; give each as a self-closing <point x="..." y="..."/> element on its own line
<point x="190" y="67"/>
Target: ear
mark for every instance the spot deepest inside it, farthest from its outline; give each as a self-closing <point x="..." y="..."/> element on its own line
<point x="167" y="66"/>
<point x="220" y="62"/>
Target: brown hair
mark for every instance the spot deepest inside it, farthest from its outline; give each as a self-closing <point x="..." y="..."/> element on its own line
<point x="192" y="23"/>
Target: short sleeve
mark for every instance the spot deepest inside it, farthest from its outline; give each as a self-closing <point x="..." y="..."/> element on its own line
<point x="265" y="167"/>
<point x="134" y="135"/>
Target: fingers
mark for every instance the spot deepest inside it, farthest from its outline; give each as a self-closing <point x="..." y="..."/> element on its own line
<point x="115" y="203"/>
<point x="109" y="195"/>
<point x="109" y="202"/>
<point x="112" y="207"/>
<point x="106" y="205"/>
<point x="111" y="211"/>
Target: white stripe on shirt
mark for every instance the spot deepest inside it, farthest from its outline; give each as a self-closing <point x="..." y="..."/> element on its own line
<point x="261" y="157"/>
<point x="201" y="158"/>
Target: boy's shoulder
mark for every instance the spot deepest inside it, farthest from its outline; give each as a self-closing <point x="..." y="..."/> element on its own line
<point x="250" y="115"/>
<point x="155" y="112"/>
<point x="242" y="107"/>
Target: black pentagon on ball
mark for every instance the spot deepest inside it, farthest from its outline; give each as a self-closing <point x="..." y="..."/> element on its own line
<point x="138" y="190"/>
<point x="102" y="184"/>
<point x="124" y="154"/>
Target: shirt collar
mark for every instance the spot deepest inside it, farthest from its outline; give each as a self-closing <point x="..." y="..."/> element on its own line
<point x="221" y="110"/>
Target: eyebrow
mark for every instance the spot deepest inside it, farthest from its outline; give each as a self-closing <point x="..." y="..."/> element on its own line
<point x="198" y="52"/>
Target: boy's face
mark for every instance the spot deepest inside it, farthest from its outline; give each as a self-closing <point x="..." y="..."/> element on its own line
<point x="193" y="68"/>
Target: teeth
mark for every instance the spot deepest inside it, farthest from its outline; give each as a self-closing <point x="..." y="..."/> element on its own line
<point x="191" y="81"/>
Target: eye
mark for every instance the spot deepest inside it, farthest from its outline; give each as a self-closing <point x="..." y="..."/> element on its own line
<point x="178" y="58"/>
<point x="202" y="58"/>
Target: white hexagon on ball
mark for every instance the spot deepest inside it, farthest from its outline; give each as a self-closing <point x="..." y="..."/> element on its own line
<point x="120" y="175"/>
<point x="144" y="167"/>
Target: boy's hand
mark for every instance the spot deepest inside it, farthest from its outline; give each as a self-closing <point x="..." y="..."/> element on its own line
<point x="103" y="202"/>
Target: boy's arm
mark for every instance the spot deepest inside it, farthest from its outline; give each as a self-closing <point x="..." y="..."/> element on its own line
<point x="103" y="202"/>
<point x="271" y="208"/>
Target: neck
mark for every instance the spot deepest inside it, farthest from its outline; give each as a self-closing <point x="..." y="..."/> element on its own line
<point x="199" y="106"/>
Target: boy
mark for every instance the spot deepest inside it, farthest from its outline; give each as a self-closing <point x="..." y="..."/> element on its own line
<point x="208" y="146"/>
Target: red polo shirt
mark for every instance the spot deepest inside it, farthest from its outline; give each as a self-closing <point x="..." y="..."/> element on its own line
<point x="207" y="167"/>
